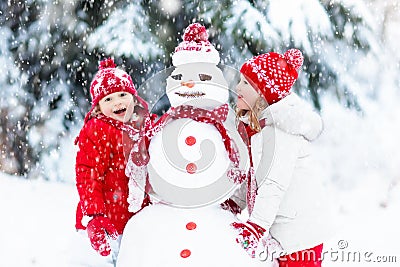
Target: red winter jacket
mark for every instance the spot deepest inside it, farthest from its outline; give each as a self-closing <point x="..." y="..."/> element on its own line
<point x="100" y="172"/>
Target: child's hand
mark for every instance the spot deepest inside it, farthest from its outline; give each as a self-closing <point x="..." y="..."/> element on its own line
<point x="249" y="236"/>
<point x="99" y="229"/>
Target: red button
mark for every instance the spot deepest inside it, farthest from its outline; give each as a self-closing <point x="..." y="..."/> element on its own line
<point x="191" y="168"/>
<point x="185" y="253"/>
<point x="191" y="226"/>
<point x="190" y="140"/>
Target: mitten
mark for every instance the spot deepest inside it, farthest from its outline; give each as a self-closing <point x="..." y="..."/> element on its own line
<point x="99" y="229"/>
<point x="231" y="206"/>
<point x="249" y="236"/>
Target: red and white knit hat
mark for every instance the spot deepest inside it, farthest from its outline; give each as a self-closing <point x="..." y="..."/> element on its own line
<point x="273" y="74"/>
<point x="109" y="80"/>
<point x="195" y="47"/>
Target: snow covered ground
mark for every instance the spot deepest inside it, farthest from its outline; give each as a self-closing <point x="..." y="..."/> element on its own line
<point x="358" y="157"/>
<point x="37" y="220"/>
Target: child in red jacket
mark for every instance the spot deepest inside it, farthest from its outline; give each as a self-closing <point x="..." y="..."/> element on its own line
<point x="106" y="138"/>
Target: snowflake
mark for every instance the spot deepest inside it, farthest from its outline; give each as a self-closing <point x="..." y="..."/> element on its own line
<point x="111" y="81"/>
<point x="261" y="74"/>
<point x="282" y="94"/>
<point x="272" y="86"/>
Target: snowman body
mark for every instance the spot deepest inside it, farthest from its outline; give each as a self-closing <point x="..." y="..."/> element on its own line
<point x="188" y="159"/>
<point x="163" y="235"/>
<point x="187" y="172"/>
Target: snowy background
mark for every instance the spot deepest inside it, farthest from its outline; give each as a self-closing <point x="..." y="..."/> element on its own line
<point x="358" y="153"/>
<point x="358" y="157"/>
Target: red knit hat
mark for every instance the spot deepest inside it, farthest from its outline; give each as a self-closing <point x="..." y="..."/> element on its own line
<point x="273" y="74"/>
<point x="195" y="47"/>
<point x="109" y="80"/>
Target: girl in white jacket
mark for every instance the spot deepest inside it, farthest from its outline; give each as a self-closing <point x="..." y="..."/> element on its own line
<point x="284" y="196"/>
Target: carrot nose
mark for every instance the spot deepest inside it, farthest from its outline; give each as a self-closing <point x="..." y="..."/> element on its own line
<point x="188" y="84"/>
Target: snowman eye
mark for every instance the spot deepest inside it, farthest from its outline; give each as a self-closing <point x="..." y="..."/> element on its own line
<point x="177" y="77"/>
<point x="205" y="77"/>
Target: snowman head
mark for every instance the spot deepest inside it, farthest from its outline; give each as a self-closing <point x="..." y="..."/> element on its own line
<point x="196" y="80"/>
<point x="197" y="84"/>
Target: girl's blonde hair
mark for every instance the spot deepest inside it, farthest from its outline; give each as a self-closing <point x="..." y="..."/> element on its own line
<point x="253" y="113"/>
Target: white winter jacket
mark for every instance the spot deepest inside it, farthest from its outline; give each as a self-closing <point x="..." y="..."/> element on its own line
<point x="290" y="201"/>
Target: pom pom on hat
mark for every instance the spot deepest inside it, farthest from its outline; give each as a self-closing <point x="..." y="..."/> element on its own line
<point x="195" y="47"/>
<point x="273" y="74"/>
<point x="295" y="58"/>
<point x="195" y="32"/>
<point x="107" y="63"/>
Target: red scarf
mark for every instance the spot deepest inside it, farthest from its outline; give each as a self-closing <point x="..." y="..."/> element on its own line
<point x="251" y="178"/>
<point x="139" y="156"/>
<point x="215" y="117"/>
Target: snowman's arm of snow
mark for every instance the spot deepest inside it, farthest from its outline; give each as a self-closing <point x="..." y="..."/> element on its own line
<point x="239" y="196"/>
<point x="137" y="183"/>
<point x="91" y="164"/>
<point x="274" y="173"/>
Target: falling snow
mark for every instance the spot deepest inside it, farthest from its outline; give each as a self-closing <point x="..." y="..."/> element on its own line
<point x="50" y="51"/>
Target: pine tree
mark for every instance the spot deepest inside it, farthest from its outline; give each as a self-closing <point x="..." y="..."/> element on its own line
<point x="128" y="35"/>
<point x="56" y="47"/>
<point x="48" y="47"/>
<point x="15" y="125"/>
<point x="328" y="33"/>
<point x="52" y="50"/>
<point x="11" y="107"/>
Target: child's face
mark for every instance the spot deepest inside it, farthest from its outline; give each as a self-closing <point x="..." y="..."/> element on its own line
<point x="118" y="105"/>
<point x="247" y="95"/>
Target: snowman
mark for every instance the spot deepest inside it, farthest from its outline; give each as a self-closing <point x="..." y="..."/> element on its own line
<point x="197" y="160"/>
